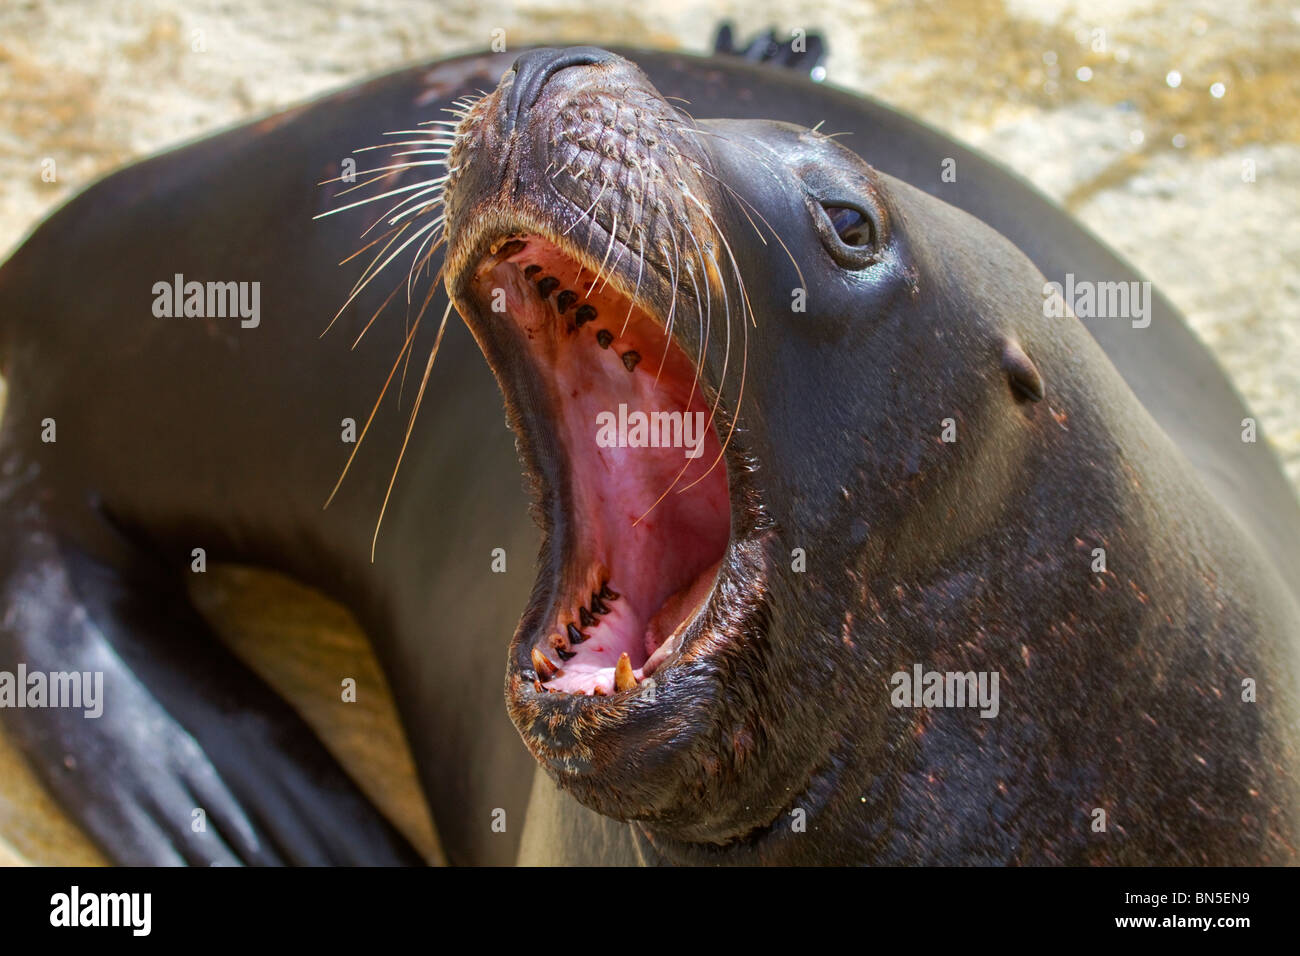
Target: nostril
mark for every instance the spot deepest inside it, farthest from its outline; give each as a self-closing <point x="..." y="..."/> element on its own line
<point x="534" y="68"/>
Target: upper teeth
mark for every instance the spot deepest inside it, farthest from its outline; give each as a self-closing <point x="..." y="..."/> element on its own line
<point x="586" y="312"/>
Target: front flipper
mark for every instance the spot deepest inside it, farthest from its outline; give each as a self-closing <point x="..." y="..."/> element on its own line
<point x="183" y="727"/>
<point x="802" y="54"/>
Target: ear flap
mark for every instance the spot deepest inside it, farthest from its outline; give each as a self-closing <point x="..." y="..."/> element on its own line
<point x="1022" y="372"/>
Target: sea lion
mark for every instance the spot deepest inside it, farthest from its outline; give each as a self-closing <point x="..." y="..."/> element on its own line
<point x="830" y="376"/>
<point x="771" y="734"/>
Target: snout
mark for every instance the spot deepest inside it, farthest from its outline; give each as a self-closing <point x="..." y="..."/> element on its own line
<point x="534" y="69"/>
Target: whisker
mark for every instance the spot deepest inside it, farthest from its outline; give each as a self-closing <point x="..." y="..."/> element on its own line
<point x="589" y="209"/>
<point x="362" y="202"/>
<point x="418" y="233"/>
<point x="744" y="365"/>
<point x="419" y="398"/>
<point x="362" y="334"/>
<point x="409" y="142"/>
<point x="417" y="261"/>
<point x="675" y="278"/>
<point x="416" y="203"/>
<point x="379" y="238"/>
<point x="613" y="237"/>
<point x="714" y="409"/>
<point x="763" y="161"/>
<point x="358" y="285"/>
<point x="384" y="169"/>
<point x="366" y="427"/>
<point x="632" y="302"/>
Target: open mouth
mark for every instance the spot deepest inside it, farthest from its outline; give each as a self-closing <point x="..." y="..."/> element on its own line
<point x="644" y="481"/>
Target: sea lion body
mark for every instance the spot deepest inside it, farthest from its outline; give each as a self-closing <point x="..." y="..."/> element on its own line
<point x="183" y="433"/>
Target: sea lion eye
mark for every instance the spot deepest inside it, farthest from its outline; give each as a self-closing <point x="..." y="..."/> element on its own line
<point x="851" y="225"/>
<point x="850" y="231"/>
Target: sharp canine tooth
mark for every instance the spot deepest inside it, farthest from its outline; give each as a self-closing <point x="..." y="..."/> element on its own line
<point x="575" y="636"/>
<point x="585" y="618"/>
<point x="624" y="679"/>
<point x="547" y="286"/>
<point x="605" y="338"/>
<point x="630" y="359"/>
<point x="598" y="606"/>
<point x="607" y="594"/>
<point x="542" y="664"/>
<point x="565" y="299"/>
<point x="584" y="315"/>
<point x="530" y="271"/>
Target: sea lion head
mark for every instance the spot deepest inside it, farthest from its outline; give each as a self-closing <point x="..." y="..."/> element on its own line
<point x="728" y="349"/>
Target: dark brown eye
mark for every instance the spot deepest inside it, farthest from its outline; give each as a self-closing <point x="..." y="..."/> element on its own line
<point x="853" y="228"/>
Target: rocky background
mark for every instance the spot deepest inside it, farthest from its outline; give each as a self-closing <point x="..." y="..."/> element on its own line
<point x="1144" y="119"/>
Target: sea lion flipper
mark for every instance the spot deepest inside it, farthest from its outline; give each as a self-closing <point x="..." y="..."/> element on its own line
<point x="165" y="722"/>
